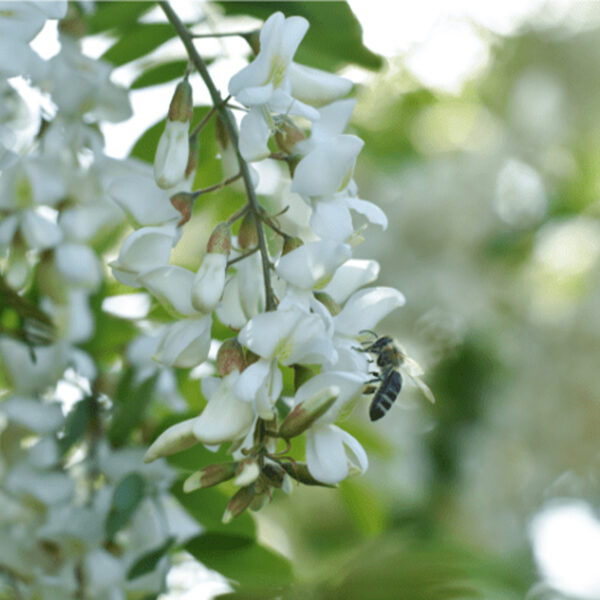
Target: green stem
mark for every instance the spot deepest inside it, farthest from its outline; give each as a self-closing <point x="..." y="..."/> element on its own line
<point x="230" y="126"/>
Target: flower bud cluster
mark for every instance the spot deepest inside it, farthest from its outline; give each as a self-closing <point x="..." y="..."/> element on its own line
<point x="300" y="305"/>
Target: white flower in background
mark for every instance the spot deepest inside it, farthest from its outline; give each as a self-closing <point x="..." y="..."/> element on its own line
<point x="142" y="251"/>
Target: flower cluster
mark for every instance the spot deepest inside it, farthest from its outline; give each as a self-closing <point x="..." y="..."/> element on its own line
<point x="297" y="305"/>
<point x="55" y="212"/>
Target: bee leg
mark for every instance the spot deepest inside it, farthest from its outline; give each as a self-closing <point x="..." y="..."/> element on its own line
<point x="370" y="389"/>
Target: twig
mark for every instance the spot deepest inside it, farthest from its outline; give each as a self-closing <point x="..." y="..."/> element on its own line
<point x="230" y="126"/>
<point x="216" y="186"/>
<point x="242" y="256"/>
<point x="243" y="34"/>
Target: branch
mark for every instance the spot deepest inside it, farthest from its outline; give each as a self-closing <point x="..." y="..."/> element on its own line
<point x="230" y="126"/>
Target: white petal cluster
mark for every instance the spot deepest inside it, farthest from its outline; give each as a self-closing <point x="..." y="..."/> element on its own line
<point x="55" y="211"/>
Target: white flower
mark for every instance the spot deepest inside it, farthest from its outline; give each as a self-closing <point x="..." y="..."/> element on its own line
<point x="172" y="154"/>
<point x="142" y="251"/>
<point x="266" y="80"/>
<point x="332" y="454"/>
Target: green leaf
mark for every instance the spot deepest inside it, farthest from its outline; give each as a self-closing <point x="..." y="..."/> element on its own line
<point x="76" y="424"/>
<point x="240" y="559"/>
<point x="140" y="40"/>
<point x="207" y="507"/>
<point x="334" y="38"/>
<point x="147" y="562"/>
<point x="130" y="402"/>
<point x="126" y="498"/>
<point x="115" y="15"/>
<point x="160" y="74"/>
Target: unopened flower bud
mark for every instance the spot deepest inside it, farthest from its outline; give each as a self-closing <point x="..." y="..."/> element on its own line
<point x="209" y="282"/>
<point x="220" y="240"/>
<point x="248" y="472"/>
<point x="330" y="304"/>
<point x="299" y="472"/>
<point x="259" y="501"/>
<point x="230" y="357"/>
<point x="247" y="235"/>
<point x="172" y="154"/>
<point x="209" y="476"/>
<point x="184" y="203"/>
<point x="240" y="501"/>
<point x="291" y="243"/>
<point x="182" y="106"/>
<point x="194" y="153"/>
<point x="174" y="439"/>
<point x="307" y="412"/>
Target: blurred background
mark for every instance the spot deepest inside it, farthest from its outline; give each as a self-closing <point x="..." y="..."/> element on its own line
<point x="482" y="130"/>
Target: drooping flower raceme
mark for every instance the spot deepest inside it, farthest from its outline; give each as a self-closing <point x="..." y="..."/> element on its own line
<point x="297" y="307"/>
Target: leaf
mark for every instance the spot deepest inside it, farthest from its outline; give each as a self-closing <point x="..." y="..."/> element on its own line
<point x="147" y="562"/>
<point x="130" y="402"/>
<point x="126" y="498"/>
<point x="115" y="15"/>
<point x="242" y="560"/>
<point x="76" y="424"/>
<point x="142" y="39"/>
<point x="334" y="38"/>
<point x="160" y="74"/>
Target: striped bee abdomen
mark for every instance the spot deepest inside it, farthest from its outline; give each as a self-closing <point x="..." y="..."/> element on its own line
<point x="391" y="384"/>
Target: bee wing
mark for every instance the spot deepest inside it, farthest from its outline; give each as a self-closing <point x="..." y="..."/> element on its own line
<point x="423" y="387"/>
<point x="411" y="367"/>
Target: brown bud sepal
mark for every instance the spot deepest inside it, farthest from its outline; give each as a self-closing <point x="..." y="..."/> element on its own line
<point x="219" y="241"/>
<point x="182" y="107"/>
<point x="230" y="357"/>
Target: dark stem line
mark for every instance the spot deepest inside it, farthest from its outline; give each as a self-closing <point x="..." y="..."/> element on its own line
<point x="230" y="126"/>
<point x="242" y="256"/>
<point x="220" y="35"/>
<point x="216" y="186"/>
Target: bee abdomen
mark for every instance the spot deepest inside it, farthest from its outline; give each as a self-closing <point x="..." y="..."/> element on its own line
<point x="386" y="395"/>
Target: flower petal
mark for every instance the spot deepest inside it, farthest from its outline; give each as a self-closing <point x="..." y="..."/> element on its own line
<point x="312" y="265"/>
<point x="174" y="439"/>
<point x="254" y="135"/>
<point x="142" y="200"/>
<point x="185" y="343"/>
<point x="331" y="220"/>
<point x="78" y="264"/>
<point x="172" y="287"/>
<point x="325" y="454"/>
<point x="143" y="250"/>
<point x="266" y="331"/>
<point x="353" y="274"/>
<point x="366" y="308"/>
<point x="225" y="418"/>
<point x="39" y="233"/>
<point x="328" y="168"/>
<point x="316" y="87"/>
<point x="371" y="211"/>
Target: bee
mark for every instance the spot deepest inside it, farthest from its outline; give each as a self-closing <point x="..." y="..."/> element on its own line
<point x="390" y="360"/>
